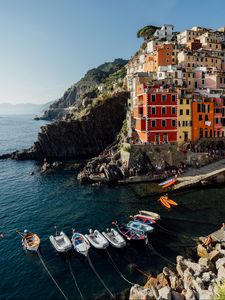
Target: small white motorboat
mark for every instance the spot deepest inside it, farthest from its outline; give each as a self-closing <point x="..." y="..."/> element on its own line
<point x="114" y="238"/>
<point x="30" y="241"/>
<point x="80" y="243"/>
<point x="139" y="226"/>
<point x="60" y="242"/>
<point x="151" y="214"/>
<point x="97" y="240"/>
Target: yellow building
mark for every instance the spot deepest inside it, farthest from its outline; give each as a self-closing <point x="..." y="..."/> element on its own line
<point x="184" y="129"/>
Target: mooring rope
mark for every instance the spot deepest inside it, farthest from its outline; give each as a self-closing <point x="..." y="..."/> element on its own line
<point x="174" y="233"/>
<point x="157" y="253"/>
<point x="99" y="277"/>
<point x="117" y="269"/>
<point x="49" y="273"/>
<point x="73" y="276"/>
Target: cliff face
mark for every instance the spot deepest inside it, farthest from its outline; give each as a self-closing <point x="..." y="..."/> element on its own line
<point x="88" y="84"/>
<point x="83" y="137"/>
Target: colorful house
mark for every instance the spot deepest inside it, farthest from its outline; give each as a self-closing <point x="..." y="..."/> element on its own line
<point x="156" y="115"/>
<point x="202" y="118"/>
<point x="184" y="117"/>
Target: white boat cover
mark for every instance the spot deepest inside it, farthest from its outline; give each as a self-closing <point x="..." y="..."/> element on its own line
<point x="80" y="243"/>
<point x="115" y="239"/>
<point x="61" y="242"/>
<point x="151" y="214"/>
<point x="97" y="240"/>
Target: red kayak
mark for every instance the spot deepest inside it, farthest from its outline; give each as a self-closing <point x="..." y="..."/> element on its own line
<point x="169" y="183"/>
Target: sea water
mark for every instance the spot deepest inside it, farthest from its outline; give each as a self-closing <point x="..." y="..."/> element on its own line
<point x="42" y="201"/>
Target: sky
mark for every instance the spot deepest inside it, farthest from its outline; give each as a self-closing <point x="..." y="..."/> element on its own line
<point x="47" y="45"/>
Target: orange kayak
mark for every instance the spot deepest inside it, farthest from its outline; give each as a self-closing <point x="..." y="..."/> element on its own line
<point x="169" y="183"/>
<point x="172" y="202"/>
<point x="164" y="202"/>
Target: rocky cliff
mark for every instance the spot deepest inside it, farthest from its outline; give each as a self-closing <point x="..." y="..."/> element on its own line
<point x="80" y="137"/>
<point x="84" y="88"/>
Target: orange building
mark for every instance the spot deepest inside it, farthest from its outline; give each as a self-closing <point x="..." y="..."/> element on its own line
<point x="163" y="55"/>
<point x="202" y="119"/>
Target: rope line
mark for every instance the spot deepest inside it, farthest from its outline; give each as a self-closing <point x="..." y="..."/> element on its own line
<point x="47" y="270"/>
<point x="117" y="269"/>
<point x="100" y="279"/>
<point x="160" y="255"/>
<point x="74" y="278"/>
<point x="174" y="233"/>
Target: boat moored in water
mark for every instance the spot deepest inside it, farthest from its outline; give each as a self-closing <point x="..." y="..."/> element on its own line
<point x="130" y="234"/>
<point x="150" y="214"/>
<point x="114" y="238"/>
<point x="30" y="240"/>
<point x="139" y="226"/>
<point x="80" y="243"/>
<point x="96" y="239"/>
<point x="60" y="242"/>
<point x="144" y="219"/>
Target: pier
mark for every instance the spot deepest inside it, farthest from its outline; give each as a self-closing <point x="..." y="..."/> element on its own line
<point x="202" y="176"/>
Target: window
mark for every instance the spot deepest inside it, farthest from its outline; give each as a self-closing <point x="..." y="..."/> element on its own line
<point x="187" y="112"/>
<point x="173" y="110"/>
<point x="167" y="54"/>
<point x="164" y="98"/>
<point x="187" y="101"/>
<point x="153" y="110"/>
<point x="200" y="118"/>
<point x="206" y="118"/>
<point x="173" y="98"/>
<point x="163" y="123"/>
<point x="153" y="98"/>
<point x="181" y="101"/>
<point x="163" y="110"/>
<point x="181" y="112"/>
<point x="183" y="123"/>
<point x="153" y="123"/>
<point x="173" y="123"/>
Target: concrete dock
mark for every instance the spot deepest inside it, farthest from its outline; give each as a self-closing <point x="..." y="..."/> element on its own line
<point x="195" y="177"/>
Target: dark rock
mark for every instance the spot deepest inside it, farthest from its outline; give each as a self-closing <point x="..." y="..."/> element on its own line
<point x="80" y="138"/>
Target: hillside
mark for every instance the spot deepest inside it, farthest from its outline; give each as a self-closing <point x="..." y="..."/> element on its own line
<point x="84" y="89"/>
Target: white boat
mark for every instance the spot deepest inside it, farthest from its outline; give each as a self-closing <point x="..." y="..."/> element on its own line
<point x="139" y="226"/>
<point x="151" y="214"/>
<point x="97" y="240"/>
<point x="80" y="243"/>
<point x="114" y="238"/>
<point x="30" y="241"/>
<point x="60" y="242"/>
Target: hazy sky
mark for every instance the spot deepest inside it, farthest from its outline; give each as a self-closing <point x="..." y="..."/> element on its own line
<point x="47" y="45"/>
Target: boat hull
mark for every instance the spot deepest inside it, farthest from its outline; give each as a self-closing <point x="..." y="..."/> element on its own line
<point x="80" y="243"/>
<point x="114" y="238"/>
<point x="97" y="240"/>
<point x="61" y="243"/>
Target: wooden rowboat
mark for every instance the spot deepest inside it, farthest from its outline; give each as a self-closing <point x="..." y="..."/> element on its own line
<point x="30" y="241"/>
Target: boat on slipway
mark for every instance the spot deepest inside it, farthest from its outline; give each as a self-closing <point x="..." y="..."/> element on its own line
<point x="114" y="238"/>
<point x="60" y="242"/>
<point x="166" y="181"/>
<point x="96" y="239"/>
<point x="130" y="234"/>
<point x="139" y="226"/>
<point x="80" y="243"/>
<point x="30" y="241"/>
<point x="150" y="214"/>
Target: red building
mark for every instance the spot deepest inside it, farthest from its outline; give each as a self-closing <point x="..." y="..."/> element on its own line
<point x="155" y="114"/>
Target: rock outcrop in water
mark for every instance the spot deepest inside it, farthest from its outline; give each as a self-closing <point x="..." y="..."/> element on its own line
<point x="81" y="136"/>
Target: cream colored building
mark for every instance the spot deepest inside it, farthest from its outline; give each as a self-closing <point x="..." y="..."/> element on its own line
<point x="199" y="59"/>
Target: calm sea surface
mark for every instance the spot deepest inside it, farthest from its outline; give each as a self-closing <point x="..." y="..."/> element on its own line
<point x="42" y="201"/>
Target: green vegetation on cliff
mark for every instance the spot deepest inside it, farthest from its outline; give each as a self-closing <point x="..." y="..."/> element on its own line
<point x="147" y="31"/>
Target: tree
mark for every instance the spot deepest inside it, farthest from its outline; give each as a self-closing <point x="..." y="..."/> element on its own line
<point x="147" y="31"/>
